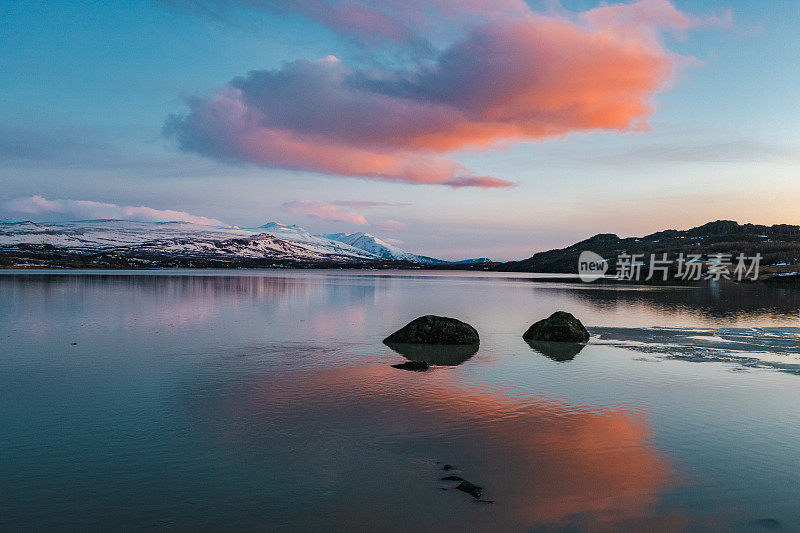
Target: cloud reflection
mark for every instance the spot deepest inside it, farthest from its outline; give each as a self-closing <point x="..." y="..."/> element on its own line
<point x="545" y="463"/>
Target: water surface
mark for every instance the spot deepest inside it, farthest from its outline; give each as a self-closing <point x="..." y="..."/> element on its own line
<point x="265" y="400"/>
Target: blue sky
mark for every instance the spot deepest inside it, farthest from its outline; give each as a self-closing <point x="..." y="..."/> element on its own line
<point x="87" y="88"/>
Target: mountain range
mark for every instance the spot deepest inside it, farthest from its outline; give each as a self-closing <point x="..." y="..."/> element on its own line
<point x="128" y="244"/>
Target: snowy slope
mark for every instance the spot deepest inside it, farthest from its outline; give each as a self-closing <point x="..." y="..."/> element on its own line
<point x="382" y="249"/>
<point x="185" y="240"/>
<point x="170" y="238"/>
<point x="297" y="234"/>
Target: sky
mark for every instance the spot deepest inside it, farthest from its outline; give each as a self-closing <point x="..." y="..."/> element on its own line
<point x="459" y="128"/>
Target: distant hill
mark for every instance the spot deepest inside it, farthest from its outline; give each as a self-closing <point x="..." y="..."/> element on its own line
<point x="779" y="246"/>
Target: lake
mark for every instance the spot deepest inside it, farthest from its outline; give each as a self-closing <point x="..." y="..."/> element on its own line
<point x="265" y="400"/>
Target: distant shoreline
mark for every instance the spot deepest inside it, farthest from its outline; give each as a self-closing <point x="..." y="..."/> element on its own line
<point x="487" y="268"/>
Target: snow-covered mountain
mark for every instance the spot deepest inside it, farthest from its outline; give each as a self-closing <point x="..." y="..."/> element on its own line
<point x="350" y="243"/>
<point x="127" y="243"/>
<point x="295" y="233"/>
<point x="471" y="261"/>
<point x="158" y="243"/>
<point x="382" y="249"/>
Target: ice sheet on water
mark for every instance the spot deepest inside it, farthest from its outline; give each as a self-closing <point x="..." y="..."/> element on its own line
<point x="774" y="347"/>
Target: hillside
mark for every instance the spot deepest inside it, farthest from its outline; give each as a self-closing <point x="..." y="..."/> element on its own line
<point x="779" y="246"/>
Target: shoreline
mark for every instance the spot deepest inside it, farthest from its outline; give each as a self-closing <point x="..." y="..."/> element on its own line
<point x="387" y="267"/>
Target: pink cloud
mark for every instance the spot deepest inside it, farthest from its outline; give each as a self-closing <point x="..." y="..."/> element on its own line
<point x="33" y="205"/>
<point x="647" y="16"/>
<point x="517" y="78"/>
<point x="324" y="211"/>
<point x="88" y="209"/>
<point x="228" y="128"/>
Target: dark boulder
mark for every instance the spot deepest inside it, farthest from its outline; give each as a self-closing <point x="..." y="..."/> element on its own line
<point x="452" y="478"/>
<point x="558" y="327"/>
<point x="431" y="329"/>
<point x="767" y="523"/>
<point x="470" y="488"/>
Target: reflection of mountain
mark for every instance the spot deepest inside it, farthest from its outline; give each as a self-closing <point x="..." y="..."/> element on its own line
<point x="436" y="354"/>
<point x="557" y="351"/>
<point x="157" y="299"/>
<point x="726" y="299"/>
<point x="547" y="465"/>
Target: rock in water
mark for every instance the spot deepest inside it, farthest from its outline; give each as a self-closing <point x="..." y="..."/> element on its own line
<point x="413" y="365"/>
<point x="431" y="329"/>
<point x="768" y="523"/>
<point x="558" y="327"/>
<point x="470" y="488"/>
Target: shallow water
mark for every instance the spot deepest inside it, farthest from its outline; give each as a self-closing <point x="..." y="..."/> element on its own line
<point x="265" y="400"/>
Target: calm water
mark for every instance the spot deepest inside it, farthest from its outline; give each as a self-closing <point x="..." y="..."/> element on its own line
<point x="265" y="400"/>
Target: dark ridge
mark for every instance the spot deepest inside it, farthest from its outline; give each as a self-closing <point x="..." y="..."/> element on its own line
<point x="777" y="244"/>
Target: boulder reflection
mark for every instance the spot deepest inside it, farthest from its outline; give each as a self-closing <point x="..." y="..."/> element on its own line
<point x="557" y="351"/>
<point x="436" y="354"/>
